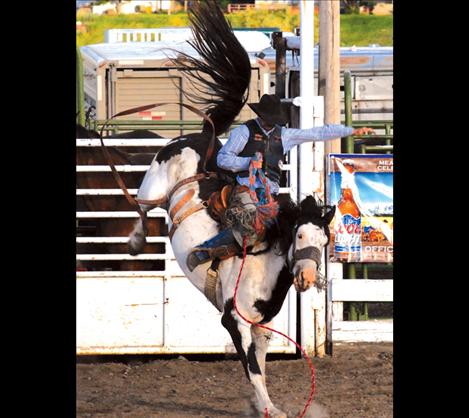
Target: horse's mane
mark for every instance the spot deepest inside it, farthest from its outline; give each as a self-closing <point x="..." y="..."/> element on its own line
<point x="199" y="142"/>
<point x="290" y="215"/>
<point x="280" y="232"/>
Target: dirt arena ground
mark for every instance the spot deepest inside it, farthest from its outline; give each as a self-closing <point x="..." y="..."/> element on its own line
<point x="355" y="382"/>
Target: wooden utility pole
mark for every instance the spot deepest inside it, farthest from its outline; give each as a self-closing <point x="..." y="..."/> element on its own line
<point x="329" y="87"/>
<point x="329" y="65"/>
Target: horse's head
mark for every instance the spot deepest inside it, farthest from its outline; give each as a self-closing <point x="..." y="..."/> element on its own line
<point x="310" y="236"/>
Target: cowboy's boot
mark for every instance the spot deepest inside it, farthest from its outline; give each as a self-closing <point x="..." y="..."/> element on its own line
<point x="223" y="245"/>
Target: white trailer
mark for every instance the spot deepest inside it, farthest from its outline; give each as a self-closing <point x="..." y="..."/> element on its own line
<point x="119" y="76"/>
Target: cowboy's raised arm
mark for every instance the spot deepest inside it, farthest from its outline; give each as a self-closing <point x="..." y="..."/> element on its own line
<point x="292" y="137"/>
<point x="227" y="157"/>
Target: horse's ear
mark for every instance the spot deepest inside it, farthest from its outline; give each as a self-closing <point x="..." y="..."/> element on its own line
<point x="329" y="215"/>
<point x="308" y="204"/>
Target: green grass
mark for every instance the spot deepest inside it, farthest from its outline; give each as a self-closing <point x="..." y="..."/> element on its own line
<point x="97" y="25"/>
<point x="359" y="30"/>
<point x="362" y="30"/>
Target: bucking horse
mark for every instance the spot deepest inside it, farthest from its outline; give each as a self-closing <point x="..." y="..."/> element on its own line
<point x="183" y="176"/>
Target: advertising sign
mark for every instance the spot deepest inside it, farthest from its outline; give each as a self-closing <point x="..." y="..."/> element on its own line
<point x="361" y="188"/>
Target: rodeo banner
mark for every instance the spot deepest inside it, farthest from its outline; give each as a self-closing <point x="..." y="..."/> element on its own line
<point x="361" y="188"/>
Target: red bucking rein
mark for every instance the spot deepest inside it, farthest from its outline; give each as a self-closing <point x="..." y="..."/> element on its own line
<point x="310" y="364"/>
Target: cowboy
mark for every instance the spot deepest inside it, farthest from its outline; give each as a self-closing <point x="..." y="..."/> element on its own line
<point x="262" y="141"/>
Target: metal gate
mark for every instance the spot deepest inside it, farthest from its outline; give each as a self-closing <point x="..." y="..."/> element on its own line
<point x="148" y="311"/>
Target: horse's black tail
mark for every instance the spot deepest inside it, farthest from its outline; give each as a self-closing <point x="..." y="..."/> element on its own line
<point x="223" y="70"/>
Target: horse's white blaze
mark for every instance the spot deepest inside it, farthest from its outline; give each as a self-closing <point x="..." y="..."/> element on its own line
<point x="307" y="235"/>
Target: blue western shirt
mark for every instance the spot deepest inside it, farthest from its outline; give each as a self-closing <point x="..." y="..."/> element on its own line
<point x="228" y="158"/>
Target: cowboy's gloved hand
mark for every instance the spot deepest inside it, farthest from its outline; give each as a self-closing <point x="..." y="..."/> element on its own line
<point x="363" y="131"/>
<point x="256" y="160"/>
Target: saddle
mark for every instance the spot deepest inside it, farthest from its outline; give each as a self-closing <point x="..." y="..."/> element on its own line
<point x="219" y="202"/>
<point x="226" y="208"/>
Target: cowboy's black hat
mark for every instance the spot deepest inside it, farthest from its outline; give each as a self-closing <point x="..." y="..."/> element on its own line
<point x="270" y="109"/>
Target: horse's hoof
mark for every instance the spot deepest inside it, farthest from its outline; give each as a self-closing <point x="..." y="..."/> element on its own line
<point x="275" y="413"/>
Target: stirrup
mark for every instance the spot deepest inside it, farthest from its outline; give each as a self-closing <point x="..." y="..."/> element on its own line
<point x="197" y="257"/>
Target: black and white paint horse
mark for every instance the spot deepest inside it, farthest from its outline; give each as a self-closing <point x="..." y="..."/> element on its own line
<point x="292" y="248"/>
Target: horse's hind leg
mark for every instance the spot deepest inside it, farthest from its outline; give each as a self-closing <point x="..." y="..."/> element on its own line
<point x="249" y="354"/>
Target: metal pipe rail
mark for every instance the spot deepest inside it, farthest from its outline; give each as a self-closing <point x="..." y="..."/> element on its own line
<point x="128" y="168"/>
<point x="108" y="257"/>
<point x="376" y="148"/>
<point x="101" y="122"/>
<point x="131" y="274"/>
<point x="146" y="124"/>
<point x="372" y="137"/>
<point x="117" y="192"/>
<point x="115" y="142"/>
<point x="168" y="255"/>
<point x="118" y="240"/>
<point x="131" y="124"/>
<point x="80" y="95"/>
<point x="106" y="168"/>
<point x="103" y="192"/>
<point x="155" y="213"/>
<point x="373" y="124"/>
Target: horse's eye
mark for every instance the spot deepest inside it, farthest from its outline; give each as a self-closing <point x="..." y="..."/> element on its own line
<point x="300" y="236"/>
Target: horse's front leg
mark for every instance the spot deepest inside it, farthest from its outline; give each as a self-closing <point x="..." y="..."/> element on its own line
<point x="250" y="355"/>
<point x="261" y="338"/>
